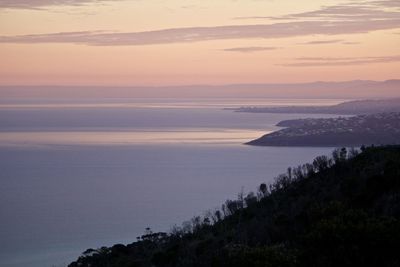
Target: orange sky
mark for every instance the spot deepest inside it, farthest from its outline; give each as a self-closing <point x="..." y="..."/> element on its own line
<point x="156" y="42"/>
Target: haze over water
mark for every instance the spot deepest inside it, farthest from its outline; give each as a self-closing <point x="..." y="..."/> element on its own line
<point x="79" y="174"/>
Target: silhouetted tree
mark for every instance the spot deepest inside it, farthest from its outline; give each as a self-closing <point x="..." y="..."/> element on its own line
<point x="262" y="191"/>
<point x="336" y="155"/>
<point x="353" y="152"/>
<point x="250" y="199"/>
<point x="321" y="163"/>
<point x="343" y="154"/>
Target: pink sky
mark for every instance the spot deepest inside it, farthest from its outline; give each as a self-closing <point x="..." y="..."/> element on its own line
<point x="154" y="42"/>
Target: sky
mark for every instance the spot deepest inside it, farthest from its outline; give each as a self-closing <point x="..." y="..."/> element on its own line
<point x="177" y="42"/>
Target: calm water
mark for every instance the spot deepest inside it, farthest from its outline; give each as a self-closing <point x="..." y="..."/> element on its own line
<point x="75" y="175"/>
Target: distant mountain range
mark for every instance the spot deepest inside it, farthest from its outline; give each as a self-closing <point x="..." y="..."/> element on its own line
<point x="358" y="89"/>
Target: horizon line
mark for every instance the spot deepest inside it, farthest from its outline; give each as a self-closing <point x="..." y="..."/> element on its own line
<point x="193" y="85"/>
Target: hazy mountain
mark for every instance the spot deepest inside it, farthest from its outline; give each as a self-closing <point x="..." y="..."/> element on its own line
<point x="348" y="89"/>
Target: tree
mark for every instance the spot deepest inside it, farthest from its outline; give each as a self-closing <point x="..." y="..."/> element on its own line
<point x="336" y="155"/>
<point x="343" y="154"/>
<point x="250" y="199"/>
<point x="353" y="153"/>
<point x="262" y="190"/>
<point x="321" y="163"/>
<point x="231" y="207"/>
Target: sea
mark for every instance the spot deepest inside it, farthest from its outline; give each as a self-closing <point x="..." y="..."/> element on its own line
<point x="86" y="173"/>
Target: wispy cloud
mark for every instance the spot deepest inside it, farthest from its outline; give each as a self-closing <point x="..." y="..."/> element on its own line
<point x="357" y="10"/>
<point x="323" y="42"/>
<point x="347" y="12"/>
<point x="196" y="34"/>
<point x="340" y="61"/>
<point x="354" y="18"/>
<point x="40" y="4"/>
<point x="385" y="3"/>
<point x="336" y="41"/>
<point x="250" y="49"/>
<point x="350" y="43"/>
<point x="256" y="17"/>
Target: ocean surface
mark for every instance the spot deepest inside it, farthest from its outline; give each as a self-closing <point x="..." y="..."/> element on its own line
<point x="78" y="174"/>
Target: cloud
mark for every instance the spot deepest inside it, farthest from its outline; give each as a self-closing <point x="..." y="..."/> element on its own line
<point x="347" y="12"/>
<point x="353" y="18"/>
<point x="340" y="61"/>
<point x="250" y="49"/>
<point x="385" y="3"/>
<point x="336" y="41"/>
<point x="40" y="4"/>
<point x="369" y="10"/>
<point x="257" y="17"/>
<point x="323" y="42"/>
<point x="196" y="34"/>
<point x="350" y="43"/>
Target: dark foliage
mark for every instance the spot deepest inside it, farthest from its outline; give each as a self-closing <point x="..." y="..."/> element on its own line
<point x="343" y="211"/>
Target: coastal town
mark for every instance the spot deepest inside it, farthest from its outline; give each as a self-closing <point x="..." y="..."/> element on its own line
<point x="355" y="107"/>
<point x="372" y="129"/>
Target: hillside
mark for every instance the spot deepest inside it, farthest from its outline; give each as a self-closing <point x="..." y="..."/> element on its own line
<point x="339" y="211"/>
<point x="377" y="129"/>
<point x="346" y="108"/>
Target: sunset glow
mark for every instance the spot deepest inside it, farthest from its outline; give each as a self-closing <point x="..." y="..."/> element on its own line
<point x="154" y="42"/>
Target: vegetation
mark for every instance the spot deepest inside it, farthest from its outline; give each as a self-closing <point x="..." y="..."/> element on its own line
<point x="338" y="211"/>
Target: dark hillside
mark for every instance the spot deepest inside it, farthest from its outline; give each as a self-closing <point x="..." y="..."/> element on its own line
<point x="339" y="211"/>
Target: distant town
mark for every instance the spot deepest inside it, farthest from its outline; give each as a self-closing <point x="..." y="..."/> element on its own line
<point x="371" y="129"/>
<point x="357" y="107"/>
